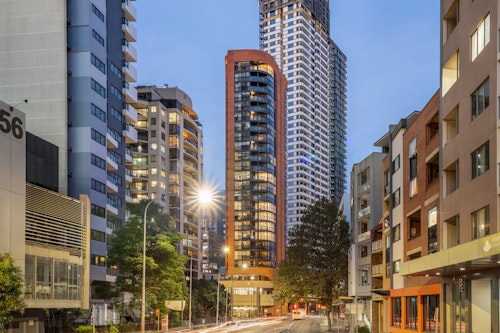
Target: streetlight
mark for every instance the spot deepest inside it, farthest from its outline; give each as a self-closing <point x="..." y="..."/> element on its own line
<point x="218" y="290"/>
<point x="143" y="305"/>
<point x="190" y="287"/>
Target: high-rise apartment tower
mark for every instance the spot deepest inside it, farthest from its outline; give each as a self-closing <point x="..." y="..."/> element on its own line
<point x="297" y="34"/>
<point x="255" y="178"/>
<point x="72" y="61"/>
<point x="167" y="161"/>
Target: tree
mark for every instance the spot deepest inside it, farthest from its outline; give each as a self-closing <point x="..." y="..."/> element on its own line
<point x="205" y="299"/>
<point x="165" y="267"/>
<point x="11" y="283"/>
<point x="317" y="257"/>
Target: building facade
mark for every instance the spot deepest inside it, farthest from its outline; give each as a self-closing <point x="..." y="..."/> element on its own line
<point x="167" y="162"/>
<point x="71" y="60"/>
<point x="366" y="211"/>
<point x="255" y="179"/>
<point x="297" y="34"/>
<point x="467" y="257"/>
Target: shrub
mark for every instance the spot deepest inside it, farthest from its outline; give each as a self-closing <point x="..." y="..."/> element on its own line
<point x="362" y="329"/>
<point x="84" y="329"/>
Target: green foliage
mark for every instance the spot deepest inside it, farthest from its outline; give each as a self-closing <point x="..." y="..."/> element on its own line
<point x="11" y="283"/>
<point x="362" y="329"/>
<point x="204" y="300"/>
<point x="112" y="329"/>
<point x="165" y="267"/>
<point x="84" y="329"/>
<point x="317" y="257"/>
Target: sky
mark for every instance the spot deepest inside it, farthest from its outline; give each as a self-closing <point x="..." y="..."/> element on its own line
<point x="392" y="50"/>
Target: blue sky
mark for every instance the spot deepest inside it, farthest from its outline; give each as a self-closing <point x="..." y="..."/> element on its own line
<point x="392" y="49"/>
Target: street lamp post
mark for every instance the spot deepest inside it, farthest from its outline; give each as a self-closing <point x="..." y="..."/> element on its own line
<point x="218" y="290"/>
<point x="143" y="304"/>
<point x="190" y="288"/>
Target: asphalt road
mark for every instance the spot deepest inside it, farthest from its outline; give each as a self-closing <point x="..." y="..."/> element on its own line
<point x="313" y="324"/>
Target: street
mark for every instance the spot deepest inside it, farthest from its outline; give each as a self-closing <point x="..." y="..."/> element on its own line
<point x="313" y="324"/>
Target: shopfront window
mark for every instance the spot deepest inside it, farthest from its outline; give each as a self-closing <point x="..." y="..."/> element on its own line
<point x="396" y="312"/>
<point x="412" y="313"/>
<point x="431" y="312"/>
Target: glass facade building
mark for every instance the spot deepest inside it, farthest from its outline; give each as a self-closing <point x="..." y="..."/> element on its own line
<point x="255" y="178"/>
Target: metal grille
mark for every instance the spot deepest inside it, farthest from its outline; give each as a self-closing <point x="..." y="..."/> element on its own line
<point x="55" y="221"/>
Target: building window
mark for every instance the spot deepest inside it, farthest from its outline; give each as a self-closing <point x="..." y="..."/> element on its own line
<point x="117" y="93"/>
<point x="97" y="186"/>
<point x="396" y="232"/>
<point x="481" y="37"/>
<point x="98" y="112"/>
<point x="98" y="88"/>
<point x="396" y="312"/>
<point x="480" y="99"/>
<point x="480" y="160"/>
<point x="97" y="235"/>
<point x="396" y="164"/>
<point x="431" y="319"/>
<point x="97" y="260"/>
<point x="432" y="230"/>
<point x="97" y="63"/>
<point x="364" y="251"/>
<point x="98" y="162"/>
<point x="364" y="277"/>
<point x="396" y="198"/>
<point x="481" y="222"/>
<point x="115" y="70"/>
<point x="395" y="266"/>
<point x="98" y="137"/>
<point x="97" y="37"/>
<point x="412" y="313"/>
<point x="97" y="12"/>
<point x="413" y="167"/>
<point x="97" y="211"/>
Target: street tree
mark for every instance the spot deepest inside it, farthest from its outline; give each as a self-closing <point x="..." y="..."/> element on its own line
<point x="11" y="284"/>
<point x="205" y="299"/>
<point x="317" y="257"/>
<point x="165" y="267"/>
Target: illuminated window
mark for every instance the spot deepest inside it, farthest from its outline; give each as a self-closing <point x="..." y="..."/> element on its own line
<point x="480" y="160"/>
<point x="481" y="222"/>
<point x="481" y="37"/>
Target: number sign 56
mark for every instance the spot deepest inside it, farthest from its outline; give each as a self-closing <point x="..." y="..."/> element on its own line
<point x="12" y="125"/>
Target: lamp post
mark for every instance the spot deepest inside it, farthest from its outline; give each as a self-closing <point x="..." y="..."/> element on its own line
<point x="218" y="290"/>
<point x="143" y="304"/>
<point x="190" y="288"/>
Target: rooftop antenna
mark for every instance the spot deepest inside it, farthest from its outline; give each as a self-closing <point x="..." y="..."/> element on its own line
<point x="15" y="106"/>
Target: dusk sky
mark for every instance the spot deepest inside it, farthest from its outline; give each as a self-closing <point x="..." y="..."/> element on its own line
<point x="392" y="50"/>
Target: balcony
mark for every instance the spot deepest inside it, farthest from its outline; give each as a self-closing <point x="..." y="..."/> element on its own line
<point x="111" y="209"/>
<point x="129" y="30"/>
<point x="111" y="165"/>
<point x="130" y="113"/>
<point x="110" y="141"/>
<point x="377" y="246"/>
<point x="128" y="197"/>
<point x="377" y="270"/>
<point x="130" y="134"/>
<point x="129" y="71"/>
<point x="129" y="10"/>
<point x="112" y="188"/>
<point x="129" y="51"/>
<point x="129" y="92"/>
<point x="364" y="212"/>
<point x="128" y="156"/>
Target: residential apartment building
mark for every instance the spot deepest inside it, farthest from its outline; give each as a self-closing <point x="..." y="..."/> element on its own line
<point x="166" y="163"/>
<point x="392" y="220"/>
<point x="255" y="180"/>
<point x="366" y="211"/>
<point x="467" y="255"/>
<point x="297" y="34"/>
<point x="411" y="303"/>
<point x="72" y="61"/>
